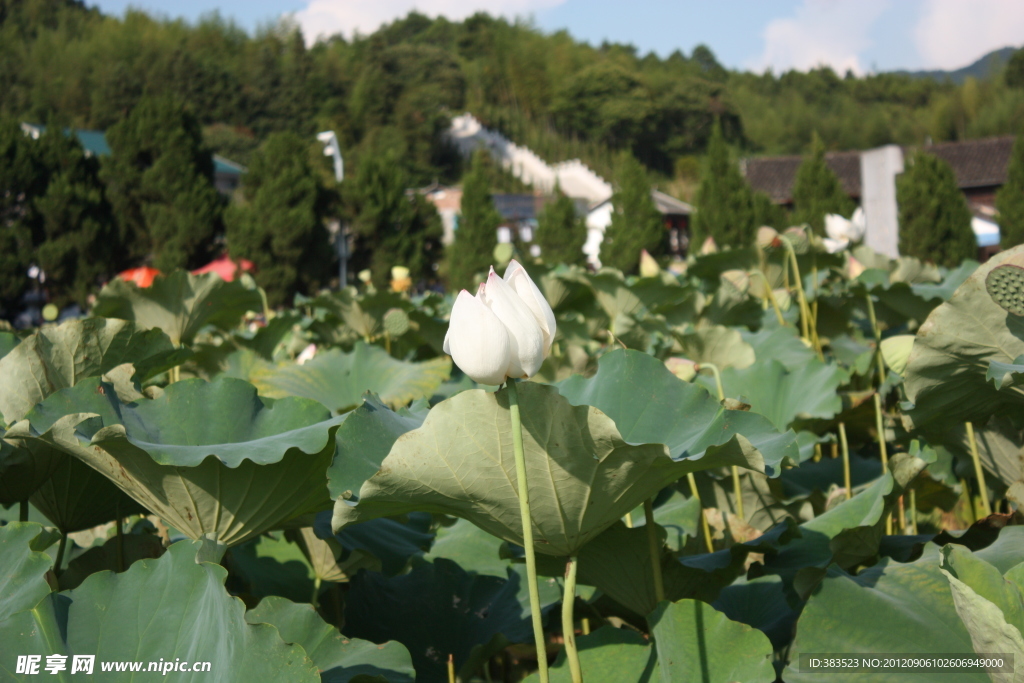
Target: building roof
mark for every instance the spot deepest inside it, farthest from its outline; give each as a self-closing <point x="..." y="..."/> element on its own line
<point x="976" y="163"/>
<point x="670" y="206"/>
<point x="775" y="176"/>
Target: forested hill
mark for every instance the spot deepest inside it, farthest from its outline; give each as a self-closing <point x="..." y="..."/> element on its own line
<point x="61" y="62"/>
<point x="988" y="66"/>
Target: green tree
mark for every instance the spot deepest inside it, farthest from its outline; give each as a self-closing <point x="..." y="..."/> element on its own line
<point x="935" y="223"/>
<point x="1010" y="198"/>
<point x="1014" y="74"/>
<point x="77" y="245"/>
<point x="817" y="190"/>
<point x="636" y="222"/>
<point x="725" y="203"/>
<point x="476" y="236"/>
<point x="159" y="180"/>
<point x="561" y="233"/>
<point x="280" y="224"/>
<point x="394" y="228"/>
<point x="767" y="212"/>
<point x="22" y="179"/>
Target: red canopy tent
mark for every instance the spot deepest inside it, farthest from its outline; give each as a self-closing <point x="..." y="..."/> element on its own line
<point x="226" y="268"/>
<point x="143" y="277"/>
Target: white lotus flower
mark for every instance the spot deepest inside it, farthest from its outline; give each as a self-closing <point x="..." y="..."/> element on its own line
<point x="504" y="331"/>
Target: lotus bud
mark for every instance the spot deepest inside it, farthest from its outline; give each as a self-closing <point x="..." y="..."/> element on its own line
<point x="896" y="351"/>
<point x="798" y="237"/>
<point x="854" y="268"/>
<point x="400" y="280"/>
<point x="737" y="279"/>
<point x="648" y="266"/>
<point x="709" y="247"/>
<point x="768" y="238"/>
<point x="506" y="330"/>
<point x="683" y="368"/>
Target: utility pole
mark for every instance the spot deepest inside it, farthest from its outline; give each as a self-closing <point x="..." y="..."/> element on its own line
<point x="340" y="231"/>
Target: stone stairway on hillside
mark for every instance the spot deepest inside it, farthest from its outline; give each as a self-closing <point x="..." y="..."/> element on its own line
<point x="574" y="177"/>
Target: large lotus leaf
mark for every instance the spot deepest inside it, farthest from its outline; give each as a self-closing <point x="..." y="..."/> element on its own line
<point x="23" y="567"/>
<point x="327" y="558"/>
<point x="946" y="377"/>
<point x="696" y="643"/>
<point x="762" y="603"/>
<point x="270" y="565"/>
<point x="338" y="379"/>
<point x="390" y="541"/>
<point x="888" y="608"/>
<point x="583" y="475"/>
<point x="180" y="304"/>
<point x="781" y="343"/>
<point x="719" y="345"/>
<point x="213" y="459"/>
<point x="133" y="547"/>
<point x="991" y="606"/>
<point x="782" y="394"/>
<point x="609" y="654"/>
<point x="651" y="405"/>
<point x="612" y="294"/>
<point x="999" y="443"/>
<point x="339" y="659"/>
<point x="437" y="610"/>
<point x="24" y="468"/>
<point x="945" y="289"/>
<point x="8" y="340"/>
<point x="172" y="608"/>
<point x="54" y="358"/>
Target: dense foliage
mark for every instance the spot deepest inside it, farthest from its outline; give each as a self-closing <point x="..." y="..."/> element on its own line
<point x="935" y="221"/>
<point x="636" y="223"/>
<point x="817" y="191"/>
<point x="1010" y="199"/>
<point x="561" y="231"/>
<point x="476" y="236"/>
<point x="725" y="200"/>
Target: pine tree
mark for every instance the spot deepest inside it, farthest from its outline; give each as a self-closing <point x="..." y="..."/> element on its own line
<point x="561" y="233"/>
<point x="1010" y="198"/>
<point x="725" y="204"/>
<point x="636" y="222"/>
<point x="817" y="190"/>
<point x="160" y="182"/>
<point x="280" y="225"/>
<point x="394" y="228"/>
<point x="78" y="246"/>
<point x="935" y="223"/>
<point x="22" y="179"/>
<point x="476" y="236"/>
<point x="767" y="212"/>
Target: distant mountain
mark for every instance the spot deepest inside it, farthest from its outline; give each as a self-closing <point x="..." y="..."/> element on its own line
<point x="985" y="67"/>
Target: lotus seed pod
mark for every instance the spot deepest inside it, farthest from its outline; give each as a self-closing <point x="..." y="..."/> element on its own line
<point x="1005" y="284"/>
<point x="798" y="236"/>
<point x="396" y="322"/>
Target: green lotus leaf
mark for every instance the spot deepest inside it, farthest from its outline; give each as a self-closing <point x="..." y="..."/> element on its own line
<point x="57" y="357"/>
<point x="991" y="606"/>
<point x="608" y="654"/>
<point x="896" y="352"/>
<point x="947" y="374"/>
<point x="328" y="558"/>
<point x="22" y="570"/>
<point x="435" y="610"/>
<point x="8" y="340"/>
<point x="762" y="603"/>
<point x="696" y="643"/>
<point x="213" y="459"/>
<point x="953" y="279"/>
<point x="888" y="608"/>
<point x="104" y="557"/>
<point x="612" y="294"/>
<point x="172" y="608"/>
<point x="1003" y="375"/>
<point x="180" y="304"/>
<point x="270" y="565"/>
<point x="784" y="395"/>
<point x="651" y="405"/>
<point x="718" y="345"/>
<point x="24" y="468"/>
<point x="339" y="380"/>
<point x="582" y="474"/>
<point x="339" y="659"/>
<point x="781" y="343"/>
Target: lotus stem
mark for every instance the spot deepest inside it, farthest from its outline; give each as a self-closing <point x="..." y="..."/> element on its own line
<point x="878" y="339"/>
<point x="315" y="598"/>
<point x="846" y="461"/>
<point x="654" y="545"/>
<point x="913" y="511"/>
<point x="451" y="669"/>
<point x="527" y="522"/>
<point x="805" y="311"/>
<point x="737" y="490"/>
<point x="629" y="520"/>
<point x="770" y="296"/>
<point x="901" y="515"/>
<point x="568" y="624"/>
<point x="703" y="518"/>
<point x="118" y="525"/>
<point x="718" y="378"/>
<point x="585" y="624"/>
<point x="23" y="511"/>
<point x="969" y="500"/>
<point x="60" y="553"/>
<point x="880" y="427"/>
<point x="979" y="473"/>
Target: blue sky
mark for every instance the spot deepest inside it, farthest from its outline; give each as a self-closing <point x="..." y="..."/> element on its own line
<point x="865" y="35"/>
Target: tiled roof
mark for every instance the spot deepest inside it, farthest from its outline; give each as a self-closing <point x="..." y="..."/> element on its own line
<point x="775" y="175"/>
<point x="976" y="163"/>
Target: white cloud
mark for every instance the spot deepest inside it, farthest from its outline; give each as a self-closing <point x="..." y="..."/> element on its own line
<point x="954" y="33"/>
<point x="822" y="32"/>
<point x="323" y="18"/>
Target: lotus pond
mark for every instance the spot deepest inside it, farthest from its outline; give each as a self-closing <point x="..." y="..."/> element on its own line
<point x="778" y="451"/>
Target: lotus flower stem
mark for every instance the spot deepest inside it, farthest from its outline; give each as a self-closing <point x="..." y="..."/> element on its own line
<point x="23" y="511"/>
<point x="913" y="511"/>
<point x="979" y="473"/>
<point x="770" y="296"/>
<point x="629" y="520"/>
<point x="119" y="526"/>
<point x="568" y="624"/>
<point x="585" y="626"/>
<point x="60" y="553"/>
<point x="968" y="499"/>
<point x="527" y="522"/>
<point x="654" y="545"/>
<point x="846" y="461"/>
<point x="878" y="339"/>
<point x="451" y="669"/>
<point x="805" y="311"/>
<point x="882" y="451"/>
<point x="737" y="489"/>
<point x="703" y="518"/>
